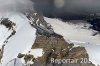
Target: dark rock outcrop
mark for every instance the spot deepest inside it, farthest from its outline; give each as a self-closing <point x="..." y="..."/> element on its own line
<point x="57" y="51"/>
<point x="7" y="23"/>
<point x="10" y="25"/>
<point x="1" y="52"/>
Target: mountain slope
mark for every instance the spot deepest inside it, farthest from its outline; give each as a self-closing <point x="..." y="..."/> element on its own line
<point x="21" y="41"/>
<point x="31" y="39"/>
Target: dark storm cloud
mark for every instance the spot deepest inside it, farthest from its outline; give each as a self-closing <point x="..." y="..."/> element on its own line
<point x="62" y="8"/>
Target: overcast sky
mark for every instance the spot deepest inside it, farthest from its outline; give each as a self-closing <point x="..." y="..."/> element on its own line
<point x="15" y="5"/>
<point x="54" y="8"/>
<point x="68" y="9"/>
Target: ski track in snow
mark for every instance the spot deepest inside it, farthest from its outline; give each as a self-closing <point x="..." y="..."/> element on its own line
<point x="22" y="40"/>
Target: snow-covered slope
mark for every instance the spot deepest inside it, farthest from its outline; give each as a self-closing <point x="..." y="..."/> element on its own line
<point x="94" y="53"/>
<point x="21" y="41"/>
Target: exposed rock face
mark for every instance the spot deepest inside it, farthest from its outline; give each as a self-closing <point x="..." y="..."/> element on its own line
<point x="56" y="50"/>
<point x="37" y="21"/>
<point x="1" y="52"/>
<point x="8" y="24"/>
<point x="96" y="24"/>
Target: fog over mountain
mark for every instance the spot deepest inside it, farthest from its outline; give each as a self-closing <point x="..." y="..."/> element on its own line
<point x="15" y="5"/>
<point x="69" y="10"/>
